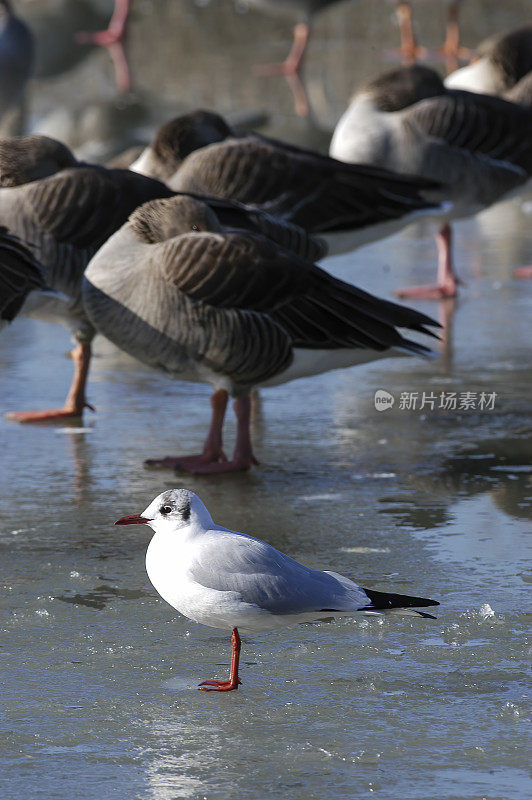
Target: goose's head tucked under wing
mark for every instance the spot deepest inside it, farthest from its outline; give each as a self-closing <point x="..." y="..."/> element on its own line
<point x="29" y="158"/>
<point x="20" y="273"/>
<point x="402" y="87"/>
<point x="502" y="61"/>
<point x="176" y="139"/>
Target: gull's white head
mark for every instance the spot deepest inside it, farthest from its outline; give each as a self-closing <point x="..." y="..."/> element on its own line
<point x="170" y="511"/>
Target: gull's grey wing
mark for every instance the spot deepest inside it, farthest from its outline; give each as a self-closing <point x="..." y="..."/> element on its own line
<point x="264" y="577"/>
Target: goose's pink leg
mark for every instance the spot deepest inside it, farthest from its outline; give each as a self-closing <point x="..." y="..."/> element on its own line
<point x="113" y="38"/>
<point x="410" y="51"/>
<point x="292" y="63"/>
<point x="451" y="49"/>
<point x="447" y="280"/>
<point x="243" y="457"/>
<point x="75" y="401"/>
<point x="212" y="449"/>
<point x="234" y="680"/>
<point x="523" y="272"/>
<point x="115" y="31"/>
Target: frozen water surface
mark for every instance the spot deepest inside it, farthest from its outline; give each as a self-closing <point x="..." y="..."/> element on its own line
<point x="99" y="675"/>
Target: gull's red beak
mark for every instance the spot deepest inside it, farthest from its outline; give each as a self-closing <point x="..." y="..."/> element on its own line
<point x="134" y="519"/>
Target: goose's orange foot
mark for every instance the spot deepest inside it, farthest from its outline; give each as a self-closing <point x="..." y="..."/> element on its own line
<point x="49" y="415"/>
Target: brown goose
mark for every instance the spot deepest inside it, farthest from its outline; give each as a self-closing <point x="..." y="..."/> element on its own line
<point x="209" y="303"/>
<point x="347" y="205"/>
<point x="479" y="147"/>
<point x="66" y="218"/>
<point x="20" y="274"/>
<point x="29" y="158"/>
<point x="69" y="215"/>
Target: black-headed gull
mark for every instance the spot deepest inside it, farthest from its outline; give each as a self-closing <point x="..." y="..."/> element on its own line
<point x="229" y="580"/>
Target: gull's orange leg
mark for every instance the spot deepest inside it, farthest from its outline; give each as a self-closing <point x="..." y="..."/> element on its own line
<point x="75" y="401"/>
<point x="234" y="680"/>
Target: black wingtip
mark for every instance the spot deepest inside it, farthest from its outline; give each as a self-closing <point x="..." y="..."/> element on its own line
<point x="381" y="601"/>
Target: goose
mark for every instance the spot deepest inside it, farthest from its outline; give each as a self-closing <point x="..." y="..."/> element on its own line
<point x="66" y="217"/>
<point x="208" y="303"/>
<point x="16" y="61"/>
<point x="29" y="158"/>
<point x="346" y="205"/>
<point x="479" y="147"/>
<point x="69" y="215"/>
<point x="20" y="274"/>
<point x="502" y="60"/>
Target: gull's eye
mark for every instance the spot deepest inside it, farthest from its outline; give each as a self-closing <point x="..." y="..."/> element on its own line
<point x="165" y="509"/>
<point x="194" y="227"/>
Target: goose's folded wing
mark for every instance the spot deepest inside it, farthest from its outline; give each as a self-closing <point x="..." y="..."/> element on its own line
<point x="310" y="190"/>
<point x="233" y="270"/>
<point x="84" y="206"/>
<point x="233" y="214"/>
<point x="20" y="273"/>
<point x="243" y="271"/>
<point x="478" y="123"/>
